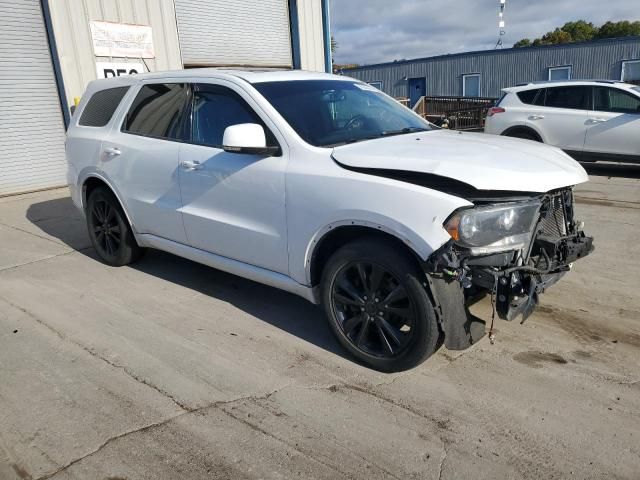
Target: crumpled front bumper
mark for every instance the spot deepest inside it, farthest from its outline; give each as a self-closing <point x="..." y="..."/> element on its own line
<point x="515" y="279"/>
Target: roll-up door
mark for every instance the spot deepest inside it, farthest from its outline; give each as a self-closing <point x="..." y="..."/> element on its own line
<point x="31" y="124"/>
<point x="223" y="33"/>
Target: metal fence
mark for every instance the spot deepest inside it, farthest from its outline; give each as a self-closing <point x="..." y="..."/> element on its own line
<point x="458" y="113"/>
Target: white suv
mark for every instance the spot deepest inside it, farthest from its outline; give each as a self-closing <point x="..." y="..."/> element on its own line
<point x="323" y="186"/>
<point x="590" y="120"/>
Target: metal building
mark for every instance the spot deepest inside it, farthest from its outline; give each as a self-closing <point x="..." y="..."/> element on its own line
<point x="51" y="49"/>
<point x="485" y="73"/>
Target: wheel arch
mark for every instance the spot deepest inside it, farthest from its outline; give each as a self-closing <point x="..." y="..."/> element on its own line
<point x="337" y="235"/>
<point x="93" y="181"/>
<point x="523" y="129"/>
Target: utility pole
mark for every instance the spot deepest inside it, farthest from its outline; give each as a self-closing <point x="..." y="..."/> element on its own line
<point x="501" y="28"/>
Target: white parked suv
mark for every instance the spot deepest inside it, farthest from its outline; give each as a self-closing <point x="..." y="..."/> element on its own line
<point x="590" y="120"/>
<point x="323" y="186"/>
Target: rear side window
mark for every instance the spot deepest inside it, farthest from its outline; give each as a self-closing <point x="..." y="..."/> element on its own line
<point x="616" y="101"/>
<point x="157" y="111"/>
<point x="101" y="107"/>
<point x="528" y="96"/>
<point x="569" y="97"/>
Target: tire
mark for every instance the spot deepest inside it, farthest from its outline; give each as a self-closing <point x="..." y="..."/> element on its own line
<point x="524" y="135"/>
<point x="109" y="230"/>
<point x="377" y="306"/>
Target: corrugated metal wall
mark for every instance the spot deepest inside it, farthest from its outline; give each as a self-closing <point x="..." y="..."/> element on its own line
<point x="502" y="68"/>
<point x="73" y="36"/>
<point x="311" y="31"/>
<point x="31" y="124"/>
<point x="239" y="33"/>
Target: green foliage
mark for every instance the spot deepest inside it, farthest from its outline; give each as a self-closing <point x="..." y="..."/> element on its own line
<point x="582" y="31"/>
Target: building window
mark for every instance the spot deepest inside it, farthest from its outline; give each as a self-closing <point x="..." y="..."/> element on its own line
<point x="471" y="85"/>
<point x="378" y="84"/>
<point x="560" y="73"/>
<point x="631" y="71"/>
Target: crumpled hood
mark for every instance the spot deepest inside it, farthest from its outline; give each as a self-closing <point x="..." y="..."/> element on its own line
<point x="486" y="162"/>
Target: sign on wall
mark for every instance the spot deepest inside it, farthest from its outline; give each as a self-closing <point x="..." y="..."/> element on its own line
<point x="111" y="69"/>
<point x="122" y="40"/>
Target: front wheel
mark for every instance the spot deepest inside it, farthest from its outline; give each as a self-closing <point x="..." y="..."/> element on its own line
<point x="377" y="306"/>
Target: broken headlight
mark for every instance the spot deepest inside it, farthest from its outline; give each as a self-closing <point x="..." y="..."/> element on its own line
<point x="494" y="228"/>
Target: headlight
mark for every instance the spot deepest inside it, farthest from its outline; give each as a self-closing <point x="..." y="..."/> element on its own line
<point x="494" y="228"/>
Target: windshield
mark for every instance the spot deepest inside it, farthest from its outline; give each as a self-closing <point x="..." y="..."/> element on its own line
<point x="327" y="113"/>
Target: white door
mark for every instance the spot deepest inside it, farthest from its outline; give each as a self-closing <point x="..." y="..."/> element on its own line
<point x="142" y="159"/>
<point x="233" y="204"/>
<point x="562" y="119"/>
<point x="614" y="124"/>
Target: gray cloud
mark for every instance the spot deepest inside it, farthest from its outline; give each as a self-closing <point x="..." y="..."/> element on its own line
<point x="370" y="31"/>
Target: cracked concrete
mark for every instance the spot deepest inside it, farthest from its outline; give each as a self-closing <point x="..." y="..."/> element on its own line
<point x="168" y="369"/>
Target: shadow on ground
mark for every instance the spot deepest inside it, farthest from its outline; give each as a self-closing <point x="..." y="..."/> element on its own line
<point x="276" y="307"/>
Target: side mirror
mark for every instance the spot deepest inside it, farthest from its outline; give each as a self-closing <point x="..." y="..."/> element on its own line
<point x="247" y="138"/>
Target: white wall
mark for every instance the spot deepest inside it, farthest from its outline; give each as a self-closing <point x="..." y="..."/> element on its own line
<point x="71" y="19"/>
<point x="311" y="33"/>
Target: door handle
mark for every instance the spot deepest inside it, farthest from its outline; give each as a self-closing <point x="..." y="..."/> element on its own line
<point x="191" y="165"/>
<point x="112" y="151"/>
<point x="596" y="120"/>
<point x="536" y="117"/>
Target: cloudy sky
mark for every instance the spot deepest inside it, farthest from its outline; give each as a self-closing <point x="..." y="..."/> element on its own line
<point x="370" y="31"/>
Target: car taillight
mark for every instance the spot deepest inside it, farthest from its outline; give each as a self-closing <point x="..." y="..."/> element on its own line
<point x="493" y="110"/>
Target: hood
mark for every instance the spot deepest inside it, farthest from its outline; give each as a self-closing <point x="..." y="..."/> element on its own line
<point x="486" y="162"/>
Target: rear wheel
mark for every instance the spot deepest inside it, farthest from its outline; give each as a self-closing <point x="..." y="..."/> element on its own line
<point x="377" y="306"/>
<point x="109" y="231"/>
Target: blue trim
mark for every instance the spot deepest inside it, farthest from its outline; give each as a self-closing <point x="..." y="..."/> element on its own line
<point x="55" y="60"/>
<point x="295" y="34"/>
<point x="326" y="27"/>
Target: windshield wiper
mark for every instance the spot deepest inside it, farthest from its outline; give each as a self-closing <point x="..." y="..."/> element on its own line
<point x="389" y="133"/>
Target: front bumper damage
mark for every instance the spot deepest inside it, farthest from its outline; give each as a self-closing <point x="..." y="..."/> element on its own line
<point x="515" y="279"/>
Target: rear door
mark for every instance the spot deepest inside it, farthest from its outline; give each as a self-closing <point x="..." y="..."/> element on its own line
<point x="140" y="156"/>
<point x="613" y="125"/>
<point x="233" y="203"/>
<point x="563" y="118"/>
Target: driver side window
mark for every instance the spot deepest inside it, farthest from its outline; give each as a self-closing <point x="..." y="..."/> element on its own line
<point x="214" y="109"/>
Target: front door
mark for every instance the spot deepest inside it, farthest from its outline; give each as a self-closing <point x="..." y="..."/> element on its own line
<point x="417" y="89"/>
<point x="233" y="204"/>
<point x="141" y="157"/>
<point x="613" y="127"/>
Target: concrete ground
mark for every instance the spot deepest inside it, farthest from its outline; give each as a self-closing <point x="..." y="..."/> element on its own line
<point x="172" y="370"/>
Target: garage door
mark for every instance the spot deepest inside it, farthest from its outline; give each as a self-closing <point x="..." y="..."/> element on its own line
<point x="31" y="125"/>
<point x="234" y="33"/>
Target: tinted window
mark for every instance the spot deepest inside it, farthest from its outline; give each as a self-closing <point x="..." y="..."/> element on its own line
<point x="569" y="97"/>
<point x="614" y="100"/>
<point x="216" y="108"/>
<point x="101" y="107"/>
<point x="528" y="96"/>
<point x="157" y="111"/>
<point x="539" y="100"/>
<point x="333" y="112"/>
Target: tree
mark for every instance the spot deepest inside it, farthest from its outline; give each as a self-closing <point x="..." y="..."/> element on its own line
<point x="525" y="42"/>
<point x="619" y="29"/>
<point x="582" y="31"/>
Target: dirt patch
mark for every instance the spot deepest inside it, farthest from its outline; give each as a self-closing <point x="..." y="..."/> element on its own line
<point x="538" y="359"/>
<point x="589" y="331"/>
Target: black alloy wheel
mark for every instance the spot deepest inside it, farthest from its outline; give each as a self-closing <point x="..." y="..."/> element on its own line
<point x="377" y="305"/>
<point x="374" y="309"/>
<point x="109" y="231"/>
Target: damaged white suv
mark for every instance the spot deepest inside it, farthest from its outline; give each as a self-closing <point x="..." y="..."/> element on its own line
<point x="325" y="187"/>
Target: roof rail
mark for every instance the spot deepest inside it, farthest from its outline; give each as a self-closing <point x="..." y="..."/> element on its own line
<point x="576" y="80"/>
